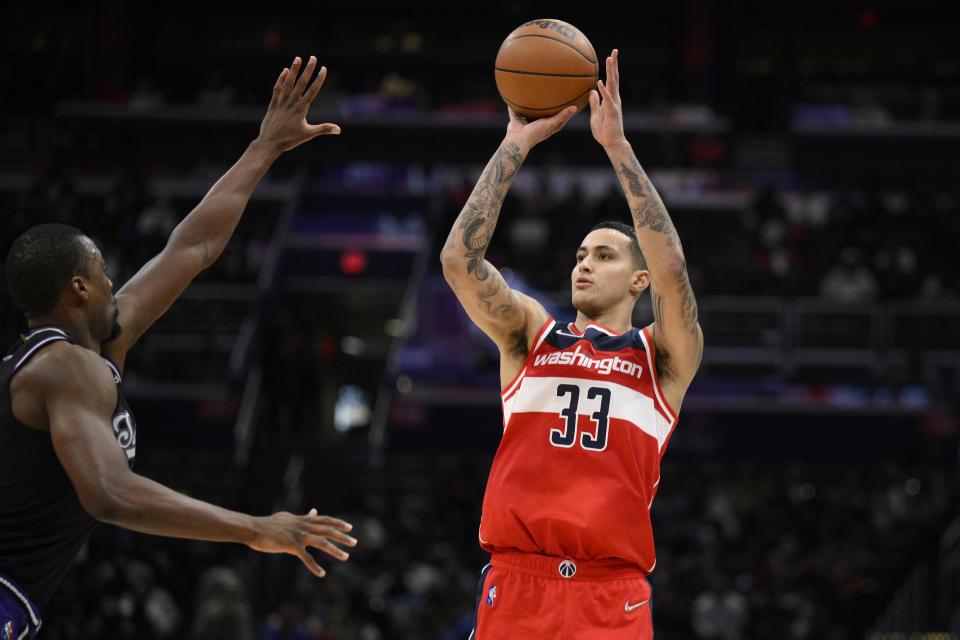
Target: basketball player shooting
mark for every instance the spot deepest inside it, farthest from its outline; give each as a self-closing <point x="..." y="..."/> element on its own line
<point x="588" y="406"/>
<point x="67" y="436"/>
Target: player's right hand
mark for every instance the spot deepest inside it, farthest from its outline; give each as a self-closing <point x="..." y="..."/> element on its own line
<point x="606" y="109"/>
<point x="285" y="532"/>
<point x="285" y="124"/>
<point x="529" y="133"/>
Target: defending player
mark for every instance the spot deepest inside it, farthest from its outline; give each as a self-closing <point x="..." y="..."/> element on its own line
<point x="67" y="436"/>
<point x="588" y="407"/>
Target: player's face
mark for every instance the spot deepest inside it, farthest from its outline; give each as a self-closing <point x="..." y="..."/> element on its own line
<point x="604" y="272"/>
<point x="103" y="302"/>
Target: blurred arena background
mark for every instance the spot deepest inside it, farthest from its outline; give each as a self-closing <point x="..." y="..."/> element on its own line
<point x="809" y="157"/>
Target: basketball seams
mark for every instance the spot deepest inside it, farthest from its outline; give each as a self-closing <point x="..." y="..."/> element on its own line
<point x="552" y="75"/>
<point x="565" y="104"/>
<point x="566" y="44"/>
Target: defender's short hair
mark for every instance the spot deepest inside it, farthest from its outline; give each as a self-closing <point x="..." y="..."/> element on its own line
<point x="41" y="261"/>
<point x="630" y="232"/>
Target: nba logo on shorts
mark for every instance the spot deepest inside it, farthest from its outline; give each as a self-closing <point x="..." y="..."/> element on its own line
<point x="7" y="631"/>
<point x="491" y="595"/>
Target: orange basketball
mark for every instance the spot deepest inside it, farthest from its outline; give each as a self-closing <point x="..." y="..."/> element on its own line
<point x="544" y="66"/>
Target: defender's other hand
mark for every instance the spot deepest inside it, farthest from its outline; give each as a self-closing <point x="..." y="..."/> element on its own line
<point x="529" y="133"/>
<point x="285" y="125"/>
<point x="288" y="533"/>
<point x="606" y="110"/>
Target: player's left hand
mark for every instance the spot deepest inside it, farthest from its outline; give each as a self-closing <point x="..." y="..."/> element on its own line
<point x="285" y="532"/>
<point x="285" y="125"/>
<point x="606" y="111"/>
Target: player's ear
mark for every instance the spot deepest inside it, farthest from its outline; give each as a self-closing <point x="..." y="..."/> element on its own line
<point x="78" y="287"/>
<point x="640" y="281"/>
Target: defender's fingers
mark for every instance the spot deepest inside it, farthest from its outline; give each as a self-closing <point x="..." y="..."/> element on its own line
<point x="314" y="130"/>
<point x="310" y="563"/>
<point x="334" y="534"/>
<point x="278" y="86"/>
<point x="337" y="523"/>
<point x="304" y="80"/>
<point x="291" y="79"/>
<point x="315" y="87"/>
<point x="327" y="547"/>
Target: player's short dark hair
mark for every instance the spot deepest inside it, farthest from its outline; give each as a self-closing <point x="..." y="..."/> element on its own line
<point x="628" y="231"/>
<point x="41" y="261"/>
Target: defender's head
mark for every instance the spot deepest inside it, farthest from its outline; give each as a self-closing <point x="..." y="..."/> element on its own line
<point x="610" y="269"/>
<point x="55" y="268"/>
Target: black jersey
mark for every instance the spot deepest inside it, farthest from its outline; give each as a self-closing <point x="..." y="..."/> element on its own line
<point x="42" y="523"/>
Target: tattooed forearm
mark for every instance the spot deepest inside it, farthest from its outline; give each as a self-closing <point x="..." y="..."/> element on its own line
<point x="689" y="312"/>
<point x="645" y="204"/>
<point x="476" y="282"/>
<point x="478" y="219"/>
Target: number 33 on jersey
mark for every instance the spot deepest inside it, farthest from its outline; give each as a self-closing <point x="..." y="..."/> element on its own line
<point x="585" y="427"/>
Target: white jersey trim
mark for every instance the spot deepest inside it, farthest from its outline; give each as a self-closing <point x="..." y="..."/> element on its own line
<point x="113" y="368"/>
<point x="545" y="329"/>
<point x="656" y="382"/>
<point x="23" y="600"/>
<point x="544" y="332"/>
<point x="34" y="348"/>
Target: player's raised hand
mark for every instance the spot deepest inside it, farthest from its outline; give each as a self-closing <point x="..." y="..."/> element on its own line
<point x="288" y="533"/>
<point x="606" y="111"/>
<point x="529" y="133"/>
<point x="285" y="125"/>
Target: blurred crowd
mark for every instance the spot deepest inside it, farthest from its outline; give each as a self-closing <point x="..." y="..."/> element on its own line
<point x="769" y="66"/>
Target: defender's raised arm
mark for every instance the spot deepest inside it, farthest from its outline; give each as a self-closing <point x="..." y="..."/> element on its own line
<point x="198" y="240"/>
<point x="510" y="318"/>
<point x="676" y="332"/>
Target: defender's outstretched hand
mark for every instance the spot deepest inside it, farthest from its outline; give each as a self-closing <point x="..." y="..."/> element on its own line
<point x="528" y="134"/>
<point x="288" y="533"/>
<point x="606" y="111"/>
<point x="285" y="126"/>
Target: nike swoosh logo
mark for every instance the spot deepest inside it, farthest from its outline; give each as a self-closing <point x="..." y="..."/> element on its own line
<point x="572" y="335"/>
<point x="630" y="607"/>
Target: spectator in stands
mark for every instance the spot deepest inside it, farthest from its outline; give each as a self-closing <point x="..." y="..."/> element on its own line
<point x="719" y="611"/>
<point x="223" y="610"/>
<point x="849" y="280"/>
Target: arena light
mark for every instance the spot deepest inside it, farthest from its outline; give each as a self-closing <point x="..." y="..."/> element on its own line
<point x="353" y="262"/>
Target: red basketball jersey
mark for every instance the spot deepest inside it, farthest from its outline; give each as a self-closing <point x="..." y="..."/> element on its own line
<point x="585" y="426"/>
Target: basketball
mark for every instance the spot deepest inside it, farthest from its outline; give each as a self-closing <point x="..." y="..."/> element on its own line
<point x="544" y="66"/>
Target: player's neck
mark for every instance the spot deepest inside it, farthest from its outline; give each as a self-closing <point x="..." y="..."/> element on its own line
<point x="76" y="331"/>
<point x="616" y="322"/>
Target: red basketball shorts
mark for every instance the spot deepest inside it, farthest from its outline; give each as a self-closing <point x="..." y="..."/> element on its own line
<point x="524" y="596"/>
